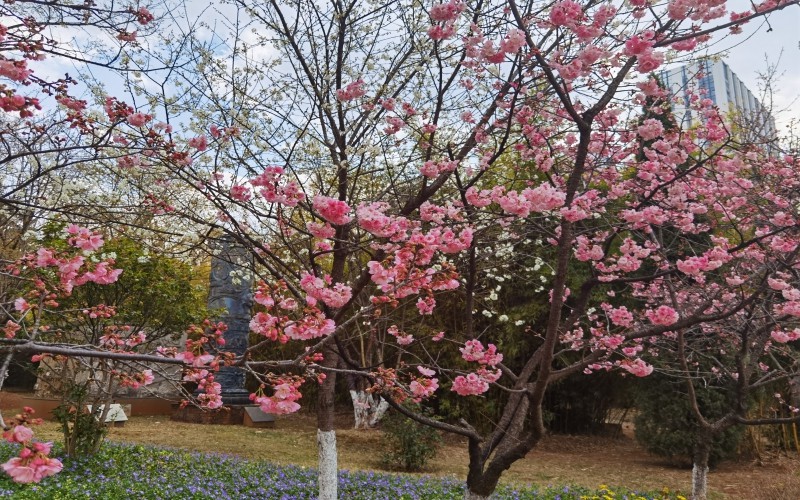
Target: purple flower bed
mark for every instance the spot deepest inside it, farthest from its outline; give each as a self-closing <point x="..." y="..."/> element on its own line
<point x="123" y="471"/>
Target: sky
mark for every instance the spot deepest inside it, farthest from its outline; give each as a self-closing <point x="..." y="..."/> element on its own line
<point x="763" y="43"/>
<point x="749" y="52"/>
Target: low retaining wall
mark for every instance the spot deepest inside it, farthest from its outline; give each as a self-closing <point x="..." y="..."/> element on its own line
<point x="139" y="406"/>
<point x="231" y="415"/>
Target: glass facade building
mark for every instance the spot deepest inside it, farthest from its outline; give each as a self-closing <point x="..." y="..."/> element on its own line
<point x="715" y="80"/>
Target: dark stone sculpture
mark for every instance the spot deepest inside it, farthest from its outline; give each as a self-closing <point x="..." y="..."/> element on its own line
<point x="231" y="293"/>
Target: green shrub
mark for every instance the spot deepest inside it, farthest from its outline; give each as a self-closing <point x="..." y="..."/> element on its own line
<point x="408" y="445"/>
<point x="83" y="431"/>
<point x="666" y="426"/>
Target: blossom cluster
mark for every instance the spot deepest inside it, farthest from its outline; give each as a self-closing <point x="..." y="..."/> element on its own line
<point x="445" y="15"/>
<point x="332" y="210"/>
<point x="335" y="296"/>
<point x="402" y="338"/>
<point x="33" y="463"/>
<point x="199" y="362"/>
<point x="473" y="350"/>
<point x="69" y="268"/>
<point x="479" y="49"/>
<point x="211" y="391"/>
<point x="372" y="218"/>
<point x="542" y="198"/>
<point x="477" y="382"/>
<point x="352" y="90"/>
<point x="425" y="386"/>
<point x="283" y="318"/>
<point x="410" y="268"/>
<point x="275" y="189"/>
<point x="284" y="398"/>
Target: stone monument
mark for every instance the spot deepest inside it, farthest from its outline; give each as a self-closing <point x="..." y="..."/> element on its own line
<point x="230" y="300"/>
<point x="230" y="294"/>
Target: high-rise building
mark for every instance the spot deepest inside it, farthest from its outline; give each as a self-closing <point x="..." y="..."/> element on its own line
<point x="737" y="103"/>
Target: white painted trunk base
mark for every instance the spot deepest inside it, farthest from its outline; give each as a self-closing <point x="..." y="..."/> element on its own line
<point x="379" y="412"/>
<point x="468" y="495"/>
<point x="699" y="482"/>
<point x="328" y="465"/>
<point x="368" y="410"/>
<point x="360" y="408"/>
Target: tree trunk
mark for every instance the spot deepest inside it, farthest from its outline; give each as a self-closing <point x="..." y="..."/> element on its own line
<point x="481" y="480"/>
<point x="700" y="470"/>
<point x="509" y="442"/>
<point x="327" y="476"/>
<point x="3" y="375"/>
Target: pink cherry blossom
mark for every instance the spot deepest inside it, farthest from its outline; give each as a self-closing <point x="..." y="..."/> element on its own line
<point x="127" y="36"/>
<point x="19" y="434"/>
<point x="20" y="471"/>
<point x="446" y="12"/>
<point x="426" y="371"/>
<point x="310" y="326"/>
<point x="282" y="402"/>
<point x="83" y="238"/>
<point x="199" y="143"/>
<point x="21" y="305"/>
<point x="10" y="329"/>
<point x="426" y="305"/>
<point x="138" y="119"/>
<point x="473" y="350"/>
<point x="565" y="13"/>
<point x="423" y="387"/>
<point x="194" y="360"/>
<point x="650" y="129"/>
<point x="471" y="385"/>
<point x="321" y="230"/>
<point x="240" y="193"/>
<point x="45" y="257"/>
<point x="144" y="16"/>
<point x="782" y="336"/>
<point x="320" y="289"/>
<point x="15" y="70"/>
<point x="32" y="465"/>
<point x="649" y="61"/>
<point x="620" y="316"/>
<point x="639" y="44"/>
<point x="353" y="90"/>
<point x="407" y="339"/>
<point x="663" y="315"/>
<point x="394" y="123"/>
<point x="637" y="367"/>
<point x="332" y="210"/>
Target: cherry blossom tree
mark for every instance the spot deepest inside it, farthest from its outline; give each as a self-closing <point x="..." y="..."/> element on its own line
<point x="25" y="327"/>
<point x="47" y="132"/>
<point x="748" y="354"/>
<point x="371" y="153"/>
<point x="360" y="149"/>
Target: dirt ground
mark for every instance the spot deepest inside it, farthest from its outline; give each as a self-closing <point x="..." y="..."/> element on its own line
<point x="559" y="459"/>
<point x="589" y="461"/>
